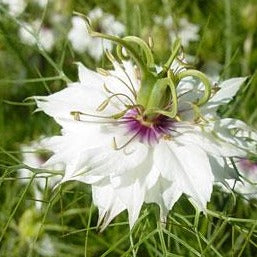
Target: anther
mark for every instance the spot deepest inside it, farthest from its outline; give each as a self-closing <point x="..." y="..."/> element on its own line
<point x="150" y="42"/>
<point x="76" y="115"/>
<point x="103" y="105"/>
<point x="167" y="137"/>
<point x="103" y="72"/>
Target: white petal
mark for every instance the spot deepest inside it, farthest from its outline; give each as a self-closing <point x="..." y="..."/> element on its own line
<point x="164" y="193"/>
<point x="219" y="144"/>
<point x="228" y="90"/>
<point x="131" y="186"/>
<point x="222" y="170"/>
<point x="133" y="197"/>
<point x="107" y="201"/>
<point x="118" y="161"/>
<point x="75" y="98"/>
<point x="88" y="77"/>
<point x="189" y="168"/>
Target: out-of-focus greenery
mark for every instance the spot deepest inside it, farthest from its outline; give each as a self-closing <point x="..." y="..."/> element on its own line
<point x="66" y="225"/>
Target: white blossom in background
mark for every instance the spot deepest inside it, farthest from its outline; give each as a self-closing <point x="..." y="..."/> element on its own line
<point x="36" y="34"/>
<point x="34" y="156"/>
<point x="15" y="7"/>
<point x="246" y="184"/>
<point x="184" y="30"/>
<point x="129" y="159"/>
<point x="82" y="42"/>
<point x="41" y="3"/>
<point x="46" y="247"/>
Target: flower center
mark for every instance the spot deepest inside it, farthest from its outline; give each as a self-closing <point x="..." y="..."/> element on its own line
<point x="148" y="131"/>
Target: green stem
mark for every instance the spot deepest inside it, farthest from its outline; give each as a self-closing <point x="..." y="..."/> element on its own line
<point x="228" y="35"/>
<point x="16" y="207"/>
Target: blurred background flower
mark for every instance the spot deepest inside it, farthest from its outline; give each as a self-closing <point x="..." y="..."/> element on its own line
<point x="81" y="40"/>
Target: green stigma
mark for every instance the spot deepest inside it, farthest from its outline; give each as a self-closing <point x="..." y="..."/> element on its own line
<point x="157" y="94"/>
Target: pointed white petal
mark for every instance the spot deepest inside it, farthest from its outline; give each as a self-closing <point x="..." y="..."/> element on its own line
<point x="89" y="78"/>
<point x="189" y="168"/>
<point x="212" y="138"/>
<point x="131" y="186"/>
<point x="75" y="98"/>
<point x="228" y="90"/>
<point x="164" y="193"/>
<point x="222" y="170"/>
<point x="107" y="201"/>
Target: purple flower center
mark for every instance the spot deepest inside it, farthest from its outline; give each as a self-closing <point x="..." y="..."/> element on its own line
<point x="148" y="131"/>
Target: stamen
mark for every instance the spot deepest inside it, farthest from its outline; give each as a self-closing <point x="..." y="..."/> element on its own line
<point x="114" y="61"/>
<point x="78" y="113"/>
<point x="124" y="145"/>
<point x="150" y="42"/>
<point x="103" y="105"/>
<point x="103" y="72"/>
<point x="120" y="94"/>
<point x="133" y="88"/>
<point x="112" y="122"/>
<point x="127" y="86"/>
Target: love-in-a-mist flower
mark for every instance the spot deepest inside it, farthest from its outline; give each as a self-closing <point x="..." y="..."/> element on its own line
<point x="82" y="42"/>
<point x="34" y="156"/>
<point x="35" y="33"/>
<point x="124" y="132"/>
<point x="15" y="7"/>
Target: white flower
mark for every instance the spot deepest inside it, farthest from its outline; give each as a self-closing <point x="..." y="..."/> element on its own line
<point x="35" y="34"/>
<point x="81" y="40"/>
<point x="16" y="7"/>
<point x="245" y="182"/>
<point x="34" y="157"/>
<point x="187" y="32"/>
<point x="46" y="247"/>
<point x="41" y="3"/>
<point x="128" y="158"/>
